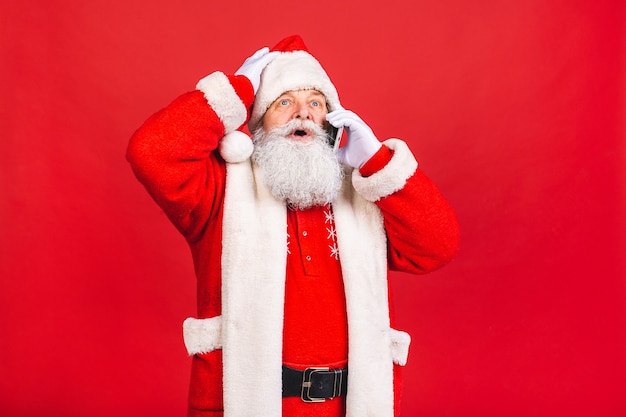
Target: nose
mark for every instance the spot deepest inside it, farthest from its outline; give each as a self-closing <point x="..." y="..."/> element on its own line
<point x="302" y="111"/>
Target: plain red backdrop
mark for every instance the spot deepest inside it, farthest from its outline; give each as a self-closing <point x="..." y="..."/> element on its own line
<point x="515" y="108"/>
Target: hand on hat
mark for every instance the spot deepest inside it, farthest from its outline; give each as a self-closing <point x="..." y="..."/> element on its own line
<point x="362" y="144"/>
<point x="253" y="66"/>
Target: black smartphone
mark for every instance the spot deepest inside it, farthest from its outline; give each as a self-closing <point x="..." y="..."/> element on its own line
<point x="335" y="134"/>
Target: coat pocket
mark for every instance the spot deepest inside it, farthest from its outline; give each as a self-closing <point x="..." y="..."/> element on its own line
<point x="202" y="335"/>
<point x="400" y="342"/>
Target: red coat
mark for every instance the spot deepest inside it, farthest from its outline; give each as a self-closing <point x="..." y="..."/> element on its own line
<point x="175" y="155"/>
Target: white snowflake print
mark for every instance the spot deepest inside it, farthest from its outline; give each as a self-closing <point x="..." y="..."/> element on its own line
<point x="332" y="232"/>
<point x="328" y="213"/>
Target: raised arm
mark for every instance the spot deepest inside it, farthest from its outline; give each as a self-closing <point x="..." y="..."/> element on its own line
<point x="422" y="229"/>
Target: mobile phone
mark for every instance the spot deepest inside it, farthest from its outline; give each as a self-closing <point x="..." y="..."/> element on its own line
<point x="335" y="134"/>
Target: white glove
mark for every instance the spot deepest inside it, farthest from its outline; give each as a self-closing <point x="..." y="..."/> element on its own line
<point x="254" y="65"/>
<point x="362" y="144"/>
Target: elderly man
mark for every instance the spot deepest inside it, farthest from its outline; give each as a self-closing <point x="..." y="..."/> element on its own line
<point x="292" y="239"/>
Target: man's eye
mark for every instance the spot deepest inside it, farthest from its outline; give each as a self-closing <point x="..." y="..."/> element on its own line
<point x="315" y="104"/>
<point x="284" y="102"/>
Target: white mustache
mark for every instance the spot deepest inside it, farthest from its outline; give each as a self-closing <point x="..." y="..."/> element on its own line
<point x="299" y="124"/>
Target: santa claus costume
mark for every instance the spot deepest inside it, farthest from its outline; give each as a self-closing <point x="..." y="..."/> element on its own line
<point x="281" y="286"/>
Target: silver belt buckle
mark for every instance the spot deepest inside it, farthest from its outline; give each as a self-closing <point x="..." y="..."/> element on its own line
<point x="306" y="384"/>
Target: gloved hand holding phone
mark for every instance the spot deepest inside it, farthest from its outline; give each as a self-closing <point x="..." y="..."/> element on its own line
<point x="361" y="145"/>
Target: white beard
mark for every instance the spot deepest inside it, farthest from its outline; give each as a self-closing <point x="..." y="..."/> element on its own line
<point x="303" y="174"/>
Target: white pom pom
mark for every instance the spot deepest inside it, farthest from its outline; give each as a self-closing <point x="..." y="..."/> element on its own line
<point x="236" y="147"/>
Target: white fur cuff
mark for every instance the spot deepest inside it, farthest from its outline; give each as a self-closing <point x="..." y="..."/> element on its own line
<point x="400" y="342"/>
<point x="389" y="179"/>
<point x="202" y="335"/>
<point x="223" y="99"/>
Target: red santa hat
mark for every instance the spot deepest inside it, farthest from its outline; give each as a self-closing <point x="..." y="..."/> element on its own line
<point x="294" y="69"/>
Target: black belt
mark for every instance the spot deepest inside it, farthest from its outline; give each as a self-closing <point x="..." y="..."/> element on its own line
<point x="314" y="384"/>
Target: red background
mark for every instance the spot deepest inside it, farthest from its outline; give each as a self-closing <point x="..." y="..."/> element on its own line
<point x="515" y="108"/>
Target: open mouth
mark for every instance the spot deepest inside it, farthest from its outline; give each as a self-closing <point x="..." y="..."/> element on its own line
<point x="301" y="134"/>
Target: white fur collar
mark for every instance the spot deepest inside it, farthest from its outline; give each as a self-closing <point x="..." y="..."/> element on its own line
<point x="253" y="278"/>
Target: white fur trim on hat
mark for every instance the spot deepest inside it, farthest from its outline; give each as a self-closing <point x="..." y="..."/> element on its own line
<point x="236" y="147"/>
<point x="223" y="99"/>
<point x="296" y="70"/>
